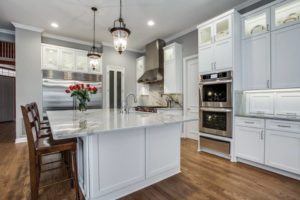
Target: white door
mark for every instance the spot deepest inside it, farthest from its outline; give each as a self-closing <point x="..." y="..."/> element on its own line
<point x="256" y="62"/>
<point x="114" y="86"/>
<point x="206" y="61"/>
<point x="283" y="150"/>
<point x="50" y="58"/>
<point x="191" y="95"/>
<point x="287" y="104"/>
<point x="286" y="57"/>
<point x="250" y="143"/>
<point x="223" y="55"/>
<point x="81" y="61"/>
<point x="67" y="59"/>
<point x="260" y="103"/>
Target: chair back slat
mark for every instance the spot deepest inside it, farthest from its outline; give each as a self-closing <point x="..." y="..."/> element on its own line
<point x="30" y="129"/>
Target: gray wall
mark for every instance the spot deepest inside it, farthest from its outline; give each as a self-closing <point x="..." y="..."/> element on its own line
<point x="189" y="43"/>
<point x="7" y="37"/>
<point x="28" y="72"/>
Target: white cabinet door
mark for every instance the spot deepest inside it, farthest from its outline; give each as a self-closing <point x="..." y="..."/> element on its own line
<point x="222" y="28"/>
<point x="287" y="104"/>
<point x="250" y="143"/>
<point x="260" y="103"/>
<point x="169" y="76"/>
<point x="50" y="58"/>
<point x="205" y="35"/>
<point x="81" y="61"/>
<point x="286" y="57"/>
<point x="206" y="61"/>
<point x="223" y="55"/>
<point x="256" y="23"/>
<point x="283" y="150"/>
<point x="256" y="62"/>
<point x="67" y="59"/>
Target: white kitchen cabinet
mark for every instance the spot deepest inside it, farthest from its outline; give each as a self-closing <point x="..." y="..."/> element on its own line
<point x="223" y="55"/>
<point x="287" y="104"/>
<point x="256" y="62"/>
<point x="285" y="57"/>
<point x="173" y="69"/>
<point x="206" y="60"/>
<point x="215" y="44"/>
<point x="285" y="14"/>
<point x="256" y="23"/>
<point x="81" y="61"/>
<point x="250" y="143"/>
<point x="282" y="150"/>
<point x="50" y="57"/>
<point x="67" y="59"/>
<point x="142" y="89"/>
<point x="260" y="103"/>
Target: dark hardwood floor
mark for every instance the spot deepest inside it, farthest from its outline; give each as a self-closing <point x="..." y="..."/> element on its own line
<point x="203" y="177"/>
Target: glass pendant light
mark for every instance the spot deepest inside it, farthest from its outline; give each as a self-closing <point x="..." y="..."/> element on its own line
<point x="94" y="54"/>
<point x="120" y="33"/>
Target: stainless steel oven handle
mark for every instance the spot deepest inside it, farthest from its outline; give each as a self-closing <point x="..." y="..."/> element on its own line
<point x="215" y="82"/>
<point x="216" y="109"/>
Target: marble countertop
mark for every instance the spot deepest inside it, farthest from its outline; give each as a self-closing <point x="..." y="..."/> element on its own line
<point x="291" y="118"/>
<point x="70" y="124"/>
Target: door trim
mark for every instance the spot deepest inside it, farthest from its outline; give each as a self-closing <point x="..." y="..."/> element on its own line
<point x="185" y="60"/>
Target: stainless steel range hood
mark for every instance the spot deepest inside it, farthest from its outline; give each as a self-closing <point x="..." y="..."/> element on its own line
<point x="154" y="66"/>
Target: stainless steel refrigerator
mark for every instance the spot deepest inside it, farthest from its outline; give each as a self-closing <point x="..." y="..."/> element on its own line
<point x="56" y="82"/>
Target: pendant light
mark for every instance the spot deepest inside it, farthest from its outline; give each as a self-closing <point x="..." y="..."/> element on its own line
<point x="94" y="54"/>
<point x="120" y="33"/>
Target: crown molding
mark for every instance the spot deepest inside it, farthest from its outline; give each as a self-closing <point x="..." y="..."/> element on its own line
<point x="69" y="39"/>
<point x="6" y="31"/>
<point x="27" y="27"/>
<point x="194" y="27"/>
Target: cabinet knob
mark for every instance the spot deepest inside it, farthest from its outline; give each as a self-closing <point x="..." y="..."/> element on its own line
<point x="268" y="83"/>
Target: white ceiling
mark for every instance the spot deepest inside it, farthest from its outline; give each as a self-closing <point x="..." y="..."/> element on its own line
<point x="75" y="17"/>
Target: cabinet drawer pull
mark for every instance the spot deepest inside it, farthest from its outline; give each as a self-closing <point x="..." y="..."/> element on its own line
<point x="284" y="126"/>
<point x="262" y="134"/>
<point x="249" y="122"/>
<point x="260" y="112"/>
<point x="291" y="114"/>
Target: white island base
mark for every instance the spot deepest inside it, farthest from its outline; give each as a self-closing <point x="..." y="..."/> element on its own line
<point x="114" y="164"/>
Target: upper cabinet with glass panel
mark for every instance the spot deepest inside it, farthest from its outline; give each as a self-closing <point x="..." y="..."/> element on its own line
<point x="285" y="13"/>
<point x="256" y="23"/>
<point x="223" y="28"/>
<point x="205" y="35"/>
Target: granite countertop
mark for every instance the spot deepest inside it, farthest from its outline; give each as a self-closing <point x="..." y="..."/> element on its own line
<point x="287" y="118"/>
<point x="66" y="124"/>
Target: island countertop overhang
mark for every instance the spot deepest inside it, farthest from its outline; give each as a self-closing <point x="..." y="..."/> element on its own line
<point x="66" y="124"/>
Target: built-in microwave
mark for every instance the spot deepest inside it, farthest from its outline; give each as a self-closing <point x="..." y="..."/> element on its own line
<point x="216" y="121"/>
<point x="216" y="90"/>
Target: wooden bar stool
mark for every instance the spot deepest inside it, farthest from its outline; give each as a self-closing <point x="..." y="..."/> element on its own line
<point x="42" y="146"/>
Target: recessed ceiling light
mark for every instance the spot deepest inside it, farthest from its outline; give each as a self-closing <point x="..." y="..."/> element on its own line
<point x="54" y="25"/>
<point x="151" y="23"/>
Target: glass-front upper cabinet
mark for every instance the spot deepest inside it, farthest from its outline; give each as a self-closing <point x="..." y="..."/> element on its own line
<point x="50" y="58"/>
<point x="67" y="59"/>
<point x="256" y="23"/>
<point x="81" y="61"/>
<point x="223" y="28"/>
<point x="285" y="13"/>
<point x="205" y="35"/>
<point x="169" y="54"/>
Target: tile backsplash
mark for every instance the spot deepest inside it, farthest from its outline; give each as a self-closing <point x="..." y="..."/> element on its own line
<point x="157" y="97"/>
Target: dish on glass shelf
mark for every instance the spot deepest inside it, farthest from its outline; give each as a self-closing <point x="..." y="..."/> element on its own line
<point x="291" y="18"/>
<point x="257" y="29"/>
<point x="222" y="33"/>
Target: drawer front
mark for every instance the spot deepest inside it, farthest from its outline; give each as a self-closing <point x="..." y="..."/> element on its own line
<point x="249" y="122"/>
<point x="280" y="125"/>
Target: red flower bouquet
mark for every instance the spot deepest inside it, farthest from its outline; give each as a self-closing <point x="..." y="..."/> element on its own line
<point x="82" y="93"/>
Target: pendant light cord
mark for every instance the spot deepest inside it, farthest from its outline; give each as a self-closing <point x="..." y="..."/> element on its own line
<point x="120" y="9"/>
<point x="94" y="28"/>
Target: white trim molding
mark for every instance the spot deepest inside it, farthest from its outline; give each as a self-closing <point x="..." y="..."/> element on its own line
<point x="27" y="27"/>
<point x="6" y="31"/>
<point x="21" y="140"/>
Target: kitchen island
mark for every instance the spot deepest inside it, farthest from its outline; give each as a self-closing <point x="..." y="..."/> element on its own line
<point x="121" y="153"/>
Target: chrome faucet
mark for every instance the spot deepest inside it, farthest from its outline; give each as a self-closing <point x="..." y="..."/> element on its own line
<point x="126" y="108"/>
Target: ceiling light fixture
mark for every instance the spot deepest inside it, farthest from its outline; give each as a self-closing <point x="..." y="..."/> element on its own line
<point x="151" y="23"/>
<point x="120" y="33"/>
<point x="54" y="25"/>
<point x="94" y="54"/>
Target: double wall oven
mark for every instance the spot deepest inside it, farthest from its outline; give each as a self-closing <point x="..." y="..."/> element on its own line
<point x="216" y="104"/>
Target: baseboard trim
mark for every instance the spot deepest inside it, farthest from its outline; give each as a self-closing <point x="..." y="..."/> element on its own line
<point x="21" y="140"/>
<point x="271" y="169"/>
